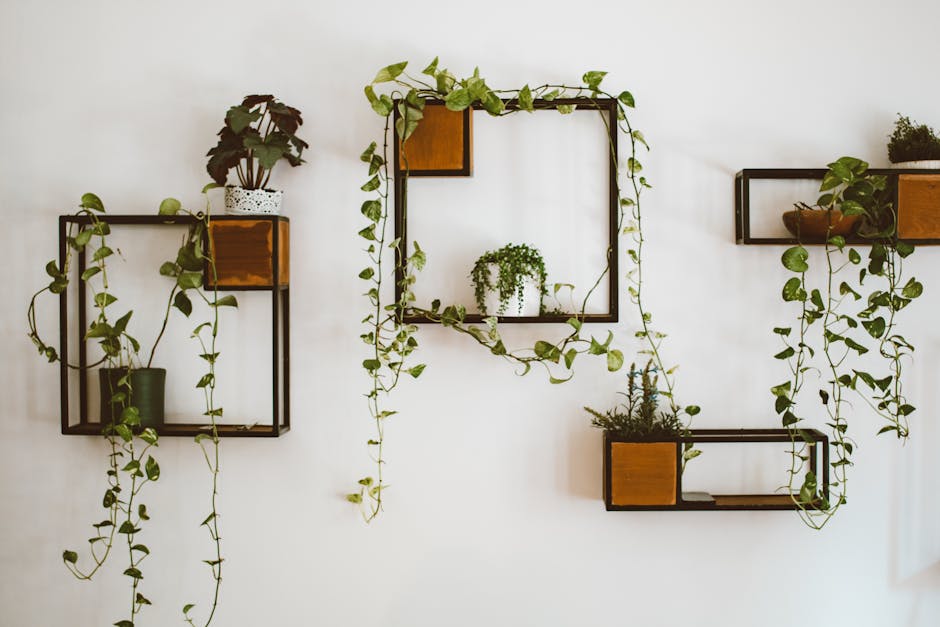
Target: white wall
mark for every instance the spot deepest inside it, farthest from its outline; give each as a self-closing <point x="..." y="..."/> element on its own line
<point x="494" y="515"/>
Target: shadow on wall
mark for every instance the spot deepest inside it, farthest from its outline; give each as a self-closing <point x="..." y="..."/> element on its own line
<point x="916" y="550"/>
<point x="582" y="476"/>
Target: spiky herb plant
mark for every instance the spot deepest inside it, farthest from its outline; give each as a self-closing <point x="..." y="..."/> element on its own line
<point x="639" y="417"/>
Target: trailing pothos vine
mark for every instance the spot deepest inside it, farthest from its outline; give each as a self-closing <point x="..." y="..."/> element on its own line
<point x="842" y="333"/>
<point x="131" y="465"/>
<point x="391" y="340"/>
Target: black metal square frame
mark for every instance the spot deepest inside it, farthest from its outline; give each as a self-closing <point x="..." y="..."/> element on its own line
<point x="280" y="334"/>
<point x="400" y="177"/>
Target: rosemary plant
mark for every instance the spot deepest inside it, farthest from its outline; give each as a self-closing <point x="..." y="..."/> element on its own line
<point x="639" y="417"/>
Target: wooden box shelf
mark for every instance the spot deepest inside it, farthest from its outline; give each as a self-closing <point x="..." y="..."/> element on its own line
<point x="663" y="490"/>
<point x="916" y="195"/>
<point x="441" y="145"/>
<point x="247" y="249"/>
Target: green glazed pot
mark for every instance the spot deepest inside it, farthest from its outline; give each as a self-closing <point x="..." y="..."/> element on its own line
<point x="148" y="385"/>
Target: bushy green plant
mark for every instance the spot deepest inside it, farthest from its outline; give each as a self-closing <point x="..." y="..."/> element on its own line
<point x="515" y="263"/>
<point x="911" y="141"/>
<point x="639" y="417"/>
<point x="257" y="134"/>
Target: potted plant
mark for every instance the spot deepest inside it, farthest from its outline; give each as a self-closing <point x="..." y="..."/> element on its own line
<point x="831" y="334"/>
<point x="641" y="449"/>
<point x="853" y="202"/>
<point x="913" y="145"/>
<point x="510" y="281"/>
<point x="257" y="134"/>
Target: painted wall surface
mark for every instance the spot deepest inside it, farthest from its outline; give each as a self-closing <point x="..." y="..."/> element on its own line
<point x="494" y="514"/>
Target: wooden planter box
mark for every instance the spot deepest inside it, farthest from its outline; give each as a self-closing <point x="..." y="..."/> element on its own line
<point x="919" y="206"/>
<point x="441" y="145"/>
<point x="246" y="251"/>
<point x="639" y="473"/>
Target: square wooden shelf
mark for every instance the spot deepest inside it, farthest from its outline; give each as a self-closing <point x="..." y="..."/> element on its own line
<point x="441" y="145"/>
<point x="247" y="249"/>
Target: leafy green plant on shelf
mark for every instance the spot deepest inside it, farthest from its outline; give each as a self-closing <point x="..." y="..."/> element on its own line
<point x="391" y="340"/>
<point x="257" y="134"/>
<point x="131" y="464"/>
<point x="837" y="323"/>
<point x="911" y="141"/>
<point x="639" y="417"/>
<point x="514" y="264"/>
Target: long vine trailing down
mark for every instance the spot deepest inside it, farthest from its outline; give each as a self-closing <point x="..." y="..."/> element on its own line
<point x="391" y="339"/>
<point x="189" y="270"/>
<point x="130" y="463"/>
<point x="847" y="186"/>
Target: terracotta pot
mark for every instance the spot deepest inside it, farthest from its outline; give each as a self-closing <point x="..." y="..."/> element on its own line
<point x="814" y="224"/>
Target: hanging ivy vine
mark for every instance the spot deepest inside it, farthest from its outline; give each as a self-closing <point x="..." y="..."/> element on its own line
<point x="842" y="334"/>
<point x="392" y="340"/>
<point x="131" y="464"/>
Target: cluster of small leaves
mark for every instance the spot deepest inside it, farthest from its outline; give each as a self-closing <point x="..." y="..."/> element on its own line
<point x="257" y="134"/>
<point x="639" y="417"/>
<point x="912" y="142"/>
<point x="515" y="263"/>
<point x="387" y="330"/>
<point x="842" y="335"/>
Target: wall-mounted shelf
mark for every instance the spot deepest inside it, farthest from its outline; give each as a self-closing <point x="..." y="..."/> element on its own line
<point x="448" y="133"/>
<point x="441" y="145"/>
<point x="247" y="249"/>
<point x="670" y="480"/>
<point x="916" y="194"/>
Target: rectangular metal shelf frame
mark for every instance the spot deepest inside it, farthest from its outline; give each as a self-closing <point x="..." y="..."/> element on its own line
<point x="819" y="462"/>
<point x="280" y="334"/>
<point x="400" y="191"/>
<point x="742" y="200"/>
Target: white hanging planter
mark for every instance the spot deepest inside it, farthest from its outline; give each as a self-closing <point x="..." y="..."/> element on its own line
<point x="241" y="201"/>
<point x="530" y="304"/>
<point x="926" y="164"/>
